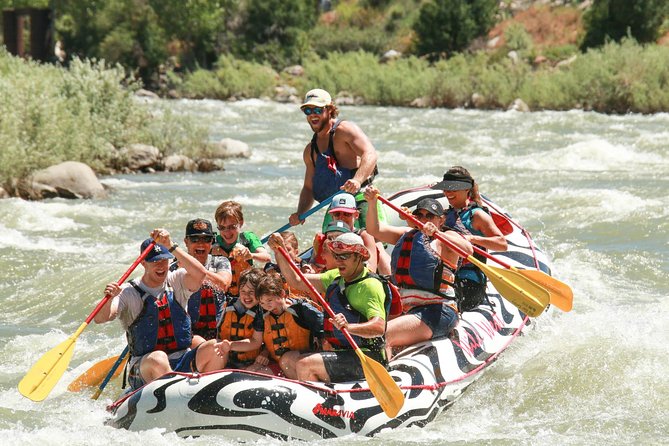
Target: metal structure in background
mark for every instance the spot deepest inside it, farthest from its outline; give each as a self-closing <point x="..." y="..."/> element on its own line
<point x="35" y="22"/>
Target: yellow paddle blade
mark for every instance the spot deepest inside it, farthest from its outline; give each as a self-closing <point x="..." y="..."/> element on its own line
<point x="383" y="386"/>
<point x="561" y="294"/>
<point x="530" y="298"/>
<point x="46" y="372"/>
<point x="95" y="375"/>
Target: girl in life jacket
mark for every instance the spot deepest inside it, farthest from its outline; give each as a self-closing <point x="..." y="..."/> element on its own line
<point x="468" y="216"/>
<point x="292" y="326"/>
<point x="241" y="325"/>
<point x="424" y="270"/>
<point x="241" y="248"/>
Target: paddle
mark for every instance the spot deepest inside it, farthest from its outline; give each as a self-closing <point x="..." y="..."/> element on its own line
<point x="46" y="372"/>
<point x="304" y="216"/>
<point x="113" y="372"/>
<point x="527" y="295"/>
<point x="561" y="295"/>
<point x="382" y="385"/>
<point x="95" y="374"/>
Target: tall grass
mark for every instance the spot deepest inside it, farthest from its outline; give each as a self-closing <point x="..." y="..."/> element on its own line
<point x="49" y="114"/>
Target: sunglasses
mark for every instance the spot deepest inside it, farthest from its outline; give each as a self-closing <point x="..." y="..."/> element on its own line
<point x="312" y="110"/>
<point x="425" y="216"/>
<point x="228" y="228"/>
<point x="201" y="238"/>
<point x="342" y="256"/>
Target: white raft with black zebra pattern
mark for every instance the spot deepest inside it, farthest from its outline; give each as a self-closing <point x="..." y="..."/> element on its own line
<point x="247" y="406"/>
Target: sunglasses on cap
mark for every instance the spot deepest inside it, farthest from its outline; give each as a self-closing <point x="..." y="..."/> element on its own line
<point x="342" y="257"/>
<point x="312" y="110"/>
<point x="201" y="238"/>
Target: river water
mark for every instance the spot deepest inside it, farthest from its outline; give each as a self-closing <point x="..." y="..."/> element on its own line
<point x="591" y="189"/>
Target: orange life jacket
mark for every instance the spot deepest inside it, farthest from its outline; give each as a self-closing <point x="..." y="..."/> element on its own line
<point x="283" y="334"/>
<point x="236" y="324"/>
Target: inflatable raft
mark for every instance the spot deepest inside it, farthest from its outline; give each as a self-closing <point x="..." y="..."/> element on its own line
<point x="432" y="375"/>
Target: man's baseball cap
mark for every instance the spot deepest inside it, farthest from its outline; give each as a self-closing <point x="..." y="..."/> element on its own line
<point x="199" y="226"/>
<point x="343" y="202"/>
<point x="317" y="97"/>
<point x="337" y="226"/>
<point x="431" y="205"/>
<point x="159" y="252"/>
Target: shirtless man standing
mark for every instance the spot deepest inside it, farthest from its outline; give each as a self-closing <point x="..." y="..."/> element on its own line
<point x="338" y="157"/>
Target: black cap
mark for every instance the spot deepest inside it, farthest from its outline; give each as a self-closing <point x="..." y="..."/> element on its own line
<point x="431" y="205"/>
<point x="199" y="226"/>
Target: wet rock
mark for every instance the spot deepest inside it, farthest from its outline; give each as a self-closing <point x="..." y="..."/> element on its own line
<point x="70" y="179"/>
<point x="210" y="165"/>
<point x="231" y="148"/>
<point x="477" y="100"/>
<point x="138" y="157"/>
<point x="347" y="98"/>
<point x="423" y="102"/>
<point x="179" y="163"/>
<point x="519" y="105"/>
<point x="142" y="93"/>
<point x="3" y="193"/>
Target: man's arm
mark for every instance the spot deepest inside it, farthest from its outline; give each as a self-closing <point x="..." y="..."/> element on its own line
<point x="109" y="310"/>
<point x="356" y="140"/>
<point x="195" y="271"/>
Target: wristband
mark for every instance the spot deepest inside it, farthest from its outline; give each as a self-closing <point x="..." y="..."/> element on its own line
<point x="173" y="247"/>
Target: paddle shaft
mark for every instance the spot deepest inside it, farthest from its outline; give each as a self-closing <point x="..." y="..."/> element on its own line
<point x="317" y="295"/>
<point x="304" y="216"/>
<point x="110" y="375"/>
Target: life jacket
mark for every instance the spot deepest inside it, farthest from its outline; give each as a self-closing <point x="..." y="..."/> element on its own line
<point x="284" y="333"/>
<point x="236" y="324"/>
<point x="237" y="266"/>
<point x="419" y="272"/>
<point x="162" y="324"/>
<point x="461" y="221"/>
<point x="205" y="308"/>
<point x="336" y="298"/>
<point x="328" y="176"/>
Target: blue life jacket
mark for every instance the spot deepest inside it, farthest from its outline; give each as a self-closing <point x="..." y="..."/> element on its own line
<point x="328" y="176"/>
<point x="461" y="221"/>
<point x="336" y="298"/>
<point x="163" y="324"/>
<point x="415" y="265"/>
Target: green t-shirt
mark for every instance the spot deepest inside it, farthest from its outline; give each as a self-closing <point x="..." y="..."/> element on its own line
<point x="367" y="296"/>
<point x="251" y="241"/>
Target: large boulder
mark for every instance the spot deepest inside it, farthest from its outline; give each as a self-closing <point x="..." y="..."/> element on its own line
<point x="179" y="163"/>
<point x="139" y="157"/>
<point x="70" y="179"/>
<point x="231" y="148"/>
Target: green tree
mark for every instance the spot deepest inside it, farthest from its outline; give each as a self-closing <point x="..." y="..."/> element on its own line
<point x="615" y="19"/>
<point x="448" y="26"/>
<point x="276" y="30"/>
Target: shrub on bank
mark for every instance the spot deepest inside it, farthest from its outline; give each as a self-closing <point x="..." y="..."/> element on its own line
<point x="50" y="114"/>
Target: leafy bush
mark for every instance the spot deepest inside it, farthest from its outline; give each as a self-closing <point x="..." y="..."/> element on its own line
<point x="616" y="19"/>
<point x="51" y="115"/>
<point x="448" y="26"/>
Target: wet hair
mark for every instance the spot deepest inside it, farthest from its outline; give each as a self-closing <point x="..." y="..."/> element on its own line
<point x="473" y="193"/>
<point x="229" y="209"/>
<point x="252" y="276"/>
<point x="271" y="283"/>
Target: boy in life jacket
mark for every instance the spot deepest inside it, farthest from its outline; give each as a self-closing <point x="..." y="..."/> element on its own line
<point x="241" y="248"/>
<point x="468" y="216"/>
<point x="424" y="271"/>
<point x="206" y="304"/>
<point x="152" y="311"/>
<point x="360" y="303"/>
<point x="292" y="326"/>
<point x="241" y="325"/>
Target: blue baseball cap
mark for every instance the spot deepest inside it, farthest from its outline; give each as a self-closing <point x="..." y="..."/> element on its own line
<point x="159" y="252"/>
